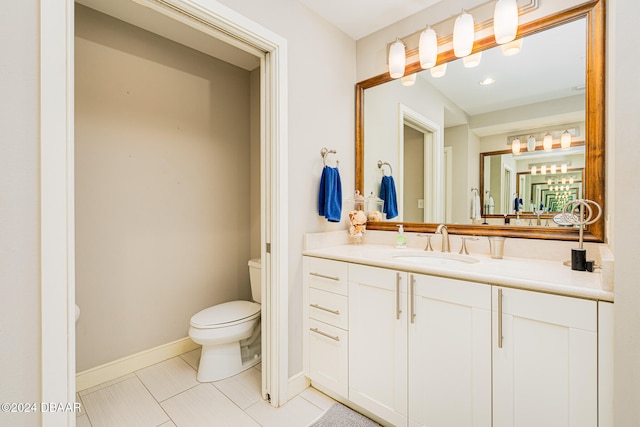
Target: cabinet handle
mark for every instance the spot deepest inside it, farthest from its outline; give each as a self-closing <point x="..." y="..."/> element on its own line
<point x="319" y="307"/>
<point x="324" y="334"/>
<point x="412" y="308"/>
<point x="337" y="279"/>
<point x="499" y="318"/>
<point x="398" y="311"/>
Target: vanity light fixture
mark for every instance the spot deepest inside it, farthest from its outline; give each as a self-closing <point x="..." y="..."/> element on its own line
<point x="408" y="80"/>
<point x="549" y="181"/>
<point x="564" y="179"/>
<point x="547" y="142"/>
<point x="531" y="143"/>
<point x="543" y="170"/>
<point x="397" y="59"/>
<point x="472" y="60"/>
<point x="511" y="48"/>
<point x="515" y="145"/>
<point x="439" y="70"/>
<point x="565" y="140"/>
<point x="505" y="21"/>
<point x="487" y="81"/>
<point x="463" y="35"/>
<point x="570" y="180"/>
<point x="534" y="170"/>
<point x="563" y="168"/>
<point x="553" y="169"/>
<point x="428" y="48"/>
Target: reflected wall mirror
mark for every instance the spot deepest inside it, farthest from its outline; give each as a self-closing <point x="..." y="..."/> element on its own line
<point x="450" y="138"/>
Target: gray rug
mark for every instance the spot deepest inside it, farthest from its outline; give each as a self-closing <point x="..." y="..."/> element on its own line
<point x="339" y="415"/>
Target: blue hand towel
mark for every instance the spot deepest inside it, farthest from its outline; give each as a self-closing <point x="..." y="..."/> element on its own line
<point x="330" y="194"/>
<point x="388" y="194"/>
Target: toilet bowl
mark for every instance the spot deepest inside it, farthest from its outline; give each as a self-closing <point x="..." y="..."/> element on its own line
<point x="229" y="334"/>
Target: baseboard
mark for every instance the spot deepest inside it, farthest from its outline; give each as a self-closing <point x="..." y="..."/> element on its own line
<point x="128" y="364"/>
<point x="297" y="384"/>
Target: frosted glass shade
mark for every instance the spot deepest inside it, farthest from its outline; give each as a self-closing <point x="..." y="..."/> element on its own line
<point x="547" y="142"/>
<point x="409" y="80"/>
<point x="505" y="21"/>
<point x="531" y="143"/>
<point x="565" y="140"/>
<point x="554" y="169"/>
<point x="515" y="146"/>
<point x="472" y="60"/>
<point x="563" y="168"/>
<point x="439" y="71"/>
<point x="463" y="34"/>
<point x="397" y="59"/>
<point x="428" y="48"/>
<point x="534" y="170"/>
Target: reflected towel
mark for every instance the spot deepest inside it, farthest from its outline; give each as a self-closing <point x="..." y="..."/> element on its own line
<point x="388" y="194"/>
<point x="475" y="207"/>
<point x="330" y="194"/>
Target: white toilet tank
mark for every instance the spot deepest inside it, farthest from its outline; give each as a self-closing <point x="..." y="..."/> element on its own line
<point x="255" y="271"/>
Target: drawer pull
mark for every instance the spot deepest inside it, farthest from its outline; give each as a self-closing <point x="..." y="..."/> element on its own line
<point x="337" y="279"/>
<point x="324" y="334"/>
<point x="319" y="307"/>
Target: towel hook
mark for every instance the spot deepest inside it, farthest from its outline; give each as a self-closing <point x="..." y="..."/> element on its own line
<point x="475" y="190"/>
<point x="324" y="152"/>
<point x="381" y="163"/>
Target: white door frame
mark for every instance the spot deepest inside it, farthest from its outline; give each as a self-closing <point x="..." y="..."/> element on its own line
<point x="433" y="162"/>
<point x="57" y="189"/>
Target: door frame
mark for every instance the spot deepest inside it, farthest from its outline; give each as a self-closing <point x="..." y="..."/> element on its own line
<point x="57" y="251"/>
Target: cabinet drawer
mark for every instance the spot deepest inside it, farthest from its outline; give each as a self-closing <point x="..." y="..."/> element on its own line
<point x="328" y="356"/>
<point x="329" y="308"/>
<point x="328" y="275"/>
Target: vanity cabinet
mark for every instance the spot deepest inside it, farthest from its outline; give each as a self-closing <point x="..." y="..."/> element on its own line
<point x="545" y="363"/>
<point x="378" y="341"/>
<point x="326" y="325"/>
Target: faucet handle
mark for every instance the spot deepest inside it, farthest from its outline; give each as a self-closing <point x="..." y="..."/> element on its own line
<point x="428" y="246"/>
<point x="463" y="248"/>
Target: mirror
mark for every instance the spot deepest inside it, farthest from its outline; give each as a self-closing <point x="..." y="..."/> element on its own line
<point x="454" y="146"/>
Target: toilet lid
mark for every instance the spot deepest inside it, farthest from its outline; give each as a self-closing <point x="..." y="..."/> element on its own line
<point x="227" y="312"/>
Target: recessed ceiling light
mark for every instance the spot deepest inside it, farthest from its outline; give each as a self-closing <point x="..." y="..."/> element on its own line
<point x="487" y="81"/>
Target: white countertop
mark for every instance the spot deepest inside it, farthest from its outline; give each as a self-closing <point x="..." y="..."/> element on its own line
<point x="523" y="273"/>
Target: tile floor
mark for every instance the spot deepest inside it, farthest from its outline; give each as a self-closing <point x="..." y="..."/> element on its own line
<point x="168" y="395"/>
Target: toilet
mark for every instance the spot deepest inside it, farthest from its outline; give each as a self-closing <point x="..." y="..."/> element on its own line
<point x="229" y="333"/>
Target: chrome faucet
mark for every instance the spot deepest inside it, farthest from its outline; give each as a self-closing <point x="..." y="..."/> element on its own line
<point x="442" y="229"/>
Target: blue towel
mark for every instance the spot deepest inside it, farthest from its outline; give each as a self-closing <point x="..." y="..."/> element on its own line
<point x="330" y="194"/>
<point x="388" y="194"/>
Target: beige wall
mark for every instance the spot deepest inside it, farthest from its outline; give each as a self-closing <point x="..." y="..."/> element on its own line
<point x="19" y="210"/>
<point x="163" y="213"/>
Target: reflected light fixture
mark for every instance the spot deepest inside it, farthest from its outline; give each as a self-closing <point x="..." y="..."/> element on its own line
<point x="397" y="59"/>
<point x="463" y="35"/>
<point x="570" y="180"/>
<point x="534" y="170"/>
<point x="472" y="60"/>
<point x="408" y="80"/>
<point x="549" y="181"/>
<point x="505" y="21"/>
<point x="547" y="142"/>
<point x="439" y="71"/>
<point x="487" y="81"/>
<point x="515" y="145"/>
<point x="553" y="169"/>
<point x="564" y="180"/>
<point x="543" y="170"/>
<point x="563" y="168"/>
<point x="531" y="143"/>
<point x="428" y="48"/>
<point x="565" y="140"/>
<point x="512" y="48"/>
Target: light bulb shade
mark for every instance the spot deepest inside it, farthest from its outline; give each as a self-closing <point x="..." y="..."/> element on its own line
<point x="563" y="168"/>
<point x="505" y="21"/>
<point x="408" y="80"/>
<point x="397" y="59"/>
<point x="565" y="140"/>
<point x="547" y="142"/>
<point x="571" y="180"/>
<point x="549" y="181"/>
<point x="515" y="146"/>
<point x="439" y="71"/>
<point x="534" y="170"/>
<point x="512" y="48"/>
<point x="543" y="170"/>
<point x="428" y="48"/>
<point x="564" y="180"/>
<point x="553" y="169"/>
<point x="472" y="60"/>
<point x="463" y="34"/>
<point x="531" y="143"/>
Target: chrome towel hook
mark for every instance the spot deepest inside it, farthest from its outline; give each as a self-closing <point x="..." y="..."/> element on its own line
<point x="324" y="152"/>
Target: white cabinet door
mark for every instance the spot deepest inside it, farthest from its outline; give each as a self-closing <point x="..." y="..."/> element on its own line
<point x="378" y="342"/>
<point x="545" y="367"/>
<point x="328" y="356"/>
<point x="449" y="352"/>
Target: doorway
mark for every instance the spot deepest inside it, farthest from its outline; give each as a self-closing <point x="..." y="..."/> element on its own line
<point x="57" y="190"/>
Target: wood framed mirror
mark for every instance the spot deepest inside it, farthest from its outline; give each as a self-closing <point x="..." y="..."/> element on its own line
<point x="593" y="132"/>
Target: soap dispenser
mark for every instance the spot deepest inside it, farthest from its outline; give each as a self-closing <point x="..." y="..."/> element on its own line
<point x="401" y="239"/>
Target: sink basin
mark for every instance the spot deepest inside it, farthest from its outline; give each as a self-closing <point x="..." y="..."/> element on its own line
<point x="435" y="258"/>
